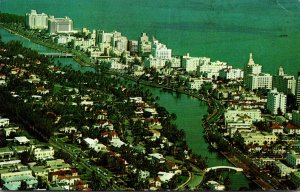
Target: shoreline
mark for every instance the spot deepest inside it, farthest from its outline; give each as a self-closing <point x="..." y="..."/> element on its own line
<point x="209" y="101"/>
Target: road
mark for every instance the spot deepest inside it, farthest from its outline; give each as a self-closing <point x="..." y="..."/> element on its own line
<point x="185" y="183"/>
<point x="59" y="144"/>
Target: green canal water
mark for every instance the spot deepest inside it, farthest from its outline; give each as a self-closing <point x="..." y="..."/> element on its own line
<point x="189" y="113"/>
<point x="225" y="30"/>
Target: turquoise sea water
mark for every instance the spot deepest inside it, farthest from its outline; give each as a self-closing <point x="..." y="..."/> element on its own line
<point x="225" y="30"/>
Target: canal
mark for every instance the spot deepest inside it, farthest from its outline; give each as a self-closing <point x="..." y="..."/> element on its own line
<point x="189" y="113"/>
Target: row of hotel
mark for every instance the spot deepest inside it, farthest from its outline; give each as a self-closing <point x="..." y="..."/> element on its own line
<point x="116" y="52"/>
<point x="103" y="47"/>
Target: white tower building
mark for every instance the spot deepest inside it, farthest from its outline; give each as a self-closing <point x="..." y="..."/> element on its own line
<point x="276" y="101"/>
<point x="254" y="78"/>
<point x="36" y="21"/>
<point x="160" y="50"/>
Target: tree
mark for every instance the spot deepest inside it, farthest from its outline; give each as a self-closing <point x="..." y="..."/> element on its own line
<point x="41" y="183"/>
<point x="25" y="157"/>
<point x="3" y="141"/>
<point x="23" y="186"/>
<point x="227" y="183"/>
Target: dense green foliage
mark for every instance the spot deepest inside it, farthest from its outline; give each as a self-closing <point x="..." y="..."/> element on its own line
<point x="11" y="18"/>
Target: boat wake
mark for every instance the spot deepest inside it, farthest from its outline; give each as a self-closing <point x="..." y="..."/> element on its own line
<point x="282" y="7"/>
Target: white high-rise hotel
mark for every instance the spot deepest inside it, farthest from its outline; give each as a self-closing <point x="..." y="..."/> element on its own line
<point x="160" y="50"/>
<point x="284" y="83"/>
<point x="254" y="78"/>
<point x="60" y="25"/>
<point x="276" y="101"/>
<point x="36" y="21"/>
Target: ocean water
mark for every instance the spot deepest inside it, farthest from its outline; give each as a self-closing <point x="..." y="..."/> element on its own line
<point x="226" y="30"/>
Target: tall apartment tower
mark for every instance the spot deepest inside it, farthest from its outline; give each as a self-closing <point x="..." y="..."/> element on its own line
<point x="254" y="78"/>
<point x="60" y="25"/>
<point x="252" y="67"/>
<point x="36" y="21"/>
<point x="160" y="50"/>
<point x="145" y="45"/>
<point x="298" y="89"/>
<point x="284" y="83"/>
<point x="276" y="101"/>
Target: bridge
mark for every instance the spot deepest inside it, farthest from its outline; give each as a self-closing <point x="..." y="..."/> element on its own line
<point x="57" y="54"/>
<point x="223" y="167"/>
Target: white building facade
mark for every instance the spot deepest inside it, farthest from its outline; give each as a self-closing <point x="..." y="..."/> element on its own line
<point x="232" y="74"/>
<point x="276" y="101"/>
<point x="36" y="21"/>
<point x="160" y="50"/>
<point x="254" y="78"/>
<point x="60" y="25"/>
<point x="284" y="83"/>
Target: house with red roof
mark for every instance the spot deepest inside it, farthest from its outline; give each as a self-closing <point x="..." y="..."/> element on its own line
<point x="292" y="129"/>
<point x="277" y="128"/>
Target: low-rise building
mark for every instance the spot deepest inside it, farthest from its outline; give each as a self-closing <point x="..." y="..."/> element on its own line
<point x="4" y="122"/>
<point x="8" y="173"/>
<point x="21" y="140"/>
<point x="6" y="153"/>
<point x="291" y="129"/>
<point x="196" y="83"/>
<point x="14" y="183"/>
<point x="154" y="62"/>
<point x="282" y="170"/>
<point x="43" y="153"/>
<point x="241" y="125"/>
<point x="50" y="166"/>
<point x="233" y="114"/>
<point x="212" y="69"/>
<point x="277" y="129"/>
<point x="260" y="138"/>
<point x="232" y="74"/>
<point x="293" y="159"/>
<point x="165" y="176"/>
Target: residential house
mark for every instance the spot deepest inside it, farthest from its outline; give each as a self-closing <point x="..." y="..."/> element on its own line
<point x="21" y="140"/>
<point x="282" y="170"/>
<point x="42" y="153"/>
<point x="6" y="153"/>
<point x="154" y="183"/>
<point x="4" y="122"/>
<point x="277" y="129"/>
<point x="42" y="90"/>
<point x="155" y="134"/>
<point x="292" y="129"/>
<point x="144" y="174"/>
<point x="157" y="156"/>
<point x="165" y="176"/>
<point x="172" y="167"/>
<point x="68" y="129"/>
<point x="14" y="183"/>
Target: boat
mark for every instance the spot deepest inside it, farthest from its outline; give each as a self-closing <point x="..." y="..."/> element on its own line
<point x="283" y="35"/>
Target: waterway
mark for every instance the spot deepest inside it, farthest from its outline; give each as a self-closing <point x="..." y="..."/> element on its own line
<point x="189" y="113"/>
